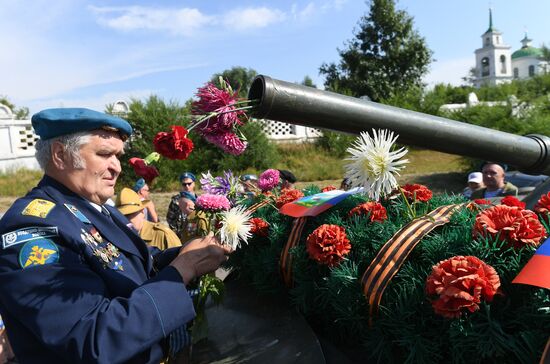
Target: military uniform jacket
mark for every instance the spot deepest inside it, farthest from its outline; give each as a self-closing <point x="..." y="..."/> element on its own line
<point x="159" y="235"/>
<point x="78" y="286"/>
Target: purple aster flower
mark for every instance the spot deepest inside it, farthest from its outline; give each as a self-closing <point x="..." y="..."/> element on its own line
<point x="268" y="180"/>
<point x="212" y="203"/>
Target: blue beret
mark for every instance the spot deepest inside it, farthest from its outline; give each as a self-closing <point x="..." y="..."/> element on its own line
<point x="51" y="123"/>
<point x="185" y="175"/>
<point x="249" y="177"/>
<point x="139" y="184"/>
<point x="188" y="195"/>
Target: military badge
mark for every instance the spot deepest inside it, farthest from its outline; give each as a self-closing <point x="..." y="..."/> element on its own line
<point x="106" y="252"/>
<point x="38" y="252"/>
<point x="27" y="234"/>
<point x="88" y="239"/>
<point x="38" y="207"/>
<point x="76" y="212"/>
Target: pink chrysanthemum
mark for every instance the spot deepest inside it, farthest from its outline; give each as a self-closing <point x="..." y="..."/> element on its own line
<point x="208" y="202"/>
<point x="229" y="142"/>
<point x="268" y="180"/>
<point x="222" y="102"/>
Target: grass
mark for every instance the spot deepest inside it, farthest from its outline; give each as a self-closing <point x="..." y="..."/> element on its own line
<point x="439" y="171"/>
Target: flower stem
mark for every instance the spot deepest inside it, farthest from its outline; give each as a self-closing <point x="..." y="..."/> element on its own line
<point x="412" y="213"/>
<point x="217" y="113"/>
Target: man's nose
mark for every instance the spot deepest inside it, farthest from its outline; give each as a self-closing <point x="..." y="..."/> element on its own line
<point x="115" y="165"/>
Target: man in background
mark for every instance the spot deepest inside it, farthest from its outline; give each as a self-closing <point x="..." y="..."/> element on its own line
<point x="156" y="234"/>
<point x="175" y="217"/>
<point x="475" y="182"/>
<point x="142" y="189"/>
<point x="495" y="184"/>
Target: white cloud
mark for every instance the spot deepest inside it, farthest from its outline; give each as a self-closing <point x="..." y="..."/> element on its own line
<point x="95" y="102"/>
<point x="334" y="4"/>
<point x="449" y="71"/>
<point x="252" y="18"/>
<point x="182" y="21"/>
<point x="304" y="14"/>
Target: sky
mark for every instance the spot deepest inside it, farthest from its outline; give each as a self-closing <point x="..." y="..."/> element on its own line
<point x="89" y="53"/>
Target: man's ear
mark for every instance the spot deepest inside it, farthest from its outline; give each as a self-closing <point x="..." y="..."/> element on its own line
<point x="59" y="157"/>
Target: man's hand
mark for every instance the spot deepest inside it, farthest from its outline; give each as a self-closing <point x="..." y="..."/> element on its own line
<point x="200" y="256"/>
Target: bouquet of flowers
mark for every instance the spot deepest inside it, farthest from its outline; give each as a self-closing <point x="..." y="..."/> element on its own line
<point x="399" y="274"/>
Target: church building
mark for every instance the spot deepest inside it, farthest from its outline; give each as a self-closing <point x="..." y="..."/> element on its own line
<point x="495" y="62"/>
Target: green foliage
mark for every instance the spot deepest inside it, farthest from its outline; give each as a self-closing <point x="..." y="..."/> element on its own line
<point x="20" y="113"/>
<point x="513" y="328"/>
<point x="18" y="182"/>
<point x="335" y="143"/>
<point x="148" y="118"/>
<point x="239" y="78"/>
<point x="386" y="57"/>
<point x="309" y="162"/>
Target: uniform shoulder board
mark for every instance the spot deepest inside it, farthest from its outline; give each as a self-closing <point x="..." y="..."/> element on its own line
<point x="38" y="207"/>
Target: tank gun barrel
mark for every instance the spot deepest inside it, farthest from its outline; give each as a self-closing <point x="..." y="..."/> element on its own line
<point x="307" y="106"/>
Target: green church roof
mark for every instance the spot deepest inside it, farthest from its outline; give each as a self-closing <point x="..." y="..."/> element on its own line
<point x="527" y="52"/>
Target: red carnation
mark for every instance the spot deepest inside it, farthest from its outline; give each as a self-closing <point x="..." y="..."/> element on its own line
<point x="328" y="188"/>
<point x="374" y="210"/>
<point x="416" y="192"/>
<point x="482" y="201"/>
<point x="149" y="173"/>
<point x="512" y="201"/>
<point x="511" y="224"/>
<point x="173" y="145"/>
<point x="459" y="284"/>
<point x="288" y="195"/>
<point x="543" y="206"/>
<point x="328" y="244"/>
<point x="259" y="226"/>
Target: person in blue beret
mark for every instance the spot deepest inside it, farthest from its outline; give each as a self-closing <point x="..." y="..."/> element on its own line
<point x="178" y="210"/>
<point x="142" y="189"/>
<point x="77" y="285"/>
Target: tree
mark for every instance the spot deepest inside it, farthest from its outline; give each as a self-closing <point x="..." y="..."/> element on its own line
<point x="20" y="113"/>
<point x="545" y="57"/>
<point x="308" y="82"/>
<point x="239" y="78"/>
<point x="387" y="55"/>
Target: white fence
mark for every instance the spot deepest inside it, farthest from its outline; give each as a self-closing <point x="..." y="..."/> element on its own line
<point x="17" y="139"/>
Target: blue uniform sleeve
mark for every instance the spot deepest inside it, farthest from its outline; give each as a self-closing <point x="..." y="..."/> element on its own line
<point x="161" y="258"/>
<point x="74" y="311"/>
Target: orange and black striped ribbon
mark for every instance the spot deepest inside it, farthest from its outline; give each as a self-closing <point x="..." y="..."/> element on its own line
<point x="546" y="354"/>
<point x="257" y="205"/>
<point x="293" y="239"/>
<point x="393" y="254"/>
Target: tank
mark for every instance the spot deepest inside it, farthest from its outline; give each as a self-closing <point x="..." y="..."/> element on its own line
<point x="307" y="106"/>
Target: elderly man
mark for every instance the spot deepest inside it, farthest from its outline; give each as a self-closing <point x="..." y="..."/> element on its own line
<point x="77" y="285"/>
<point x="493" y="179"/>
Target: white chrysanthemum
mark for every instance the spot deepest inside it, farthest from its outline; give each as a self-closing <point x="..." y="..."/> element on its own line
<point x="373" y="164"/>
<point x="235" y="225"/>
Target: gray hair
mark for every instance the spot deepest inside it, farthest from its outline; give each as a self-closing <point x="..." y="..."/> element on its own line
<point x="71" y="142"/>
